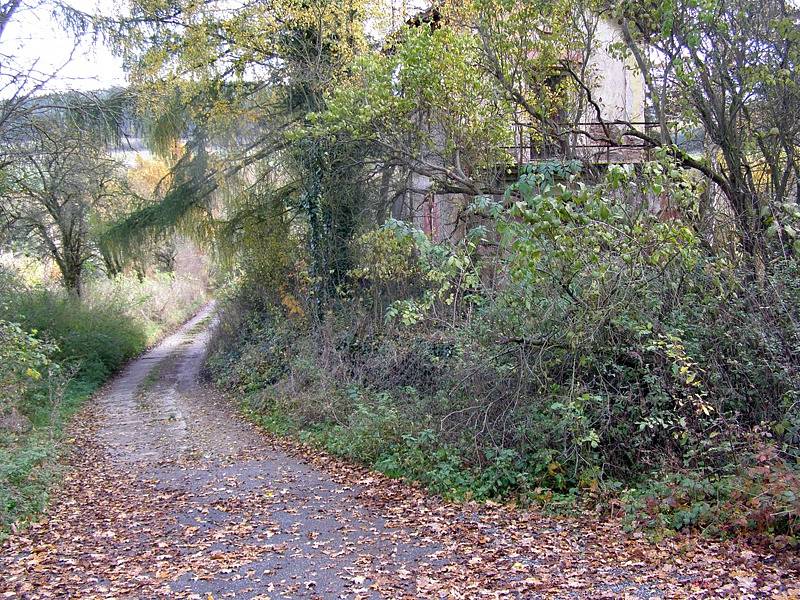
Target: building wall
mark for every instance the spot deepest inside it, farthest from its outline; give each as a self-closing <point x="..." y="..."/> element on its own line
<point x="617" y="86"/>
<point x="437" y="214"/>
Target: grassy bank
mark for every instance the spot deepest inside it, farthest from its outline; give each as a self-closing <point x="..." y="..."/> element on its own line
<point x="58" y="351"/>
<point x="289" y="384"/>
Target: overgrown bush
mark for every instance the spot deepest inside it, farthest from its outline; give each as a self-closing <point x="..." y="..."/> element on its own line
<point x="24" y="361"/>
<point x="758" y="497"/>
<point x="574" y="342"/>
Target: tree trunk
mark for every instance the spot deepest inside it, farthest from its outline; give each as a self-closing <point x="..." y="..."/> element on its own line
<point x="71" y="273"/>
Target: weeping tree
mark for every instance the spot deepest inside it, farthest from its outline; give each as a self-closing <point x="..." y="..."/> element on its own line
<point x="239" y="86"/>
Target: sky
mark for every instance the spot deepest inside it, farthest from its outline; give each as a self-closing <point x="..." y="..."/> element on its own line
<point x="34" y="38"/>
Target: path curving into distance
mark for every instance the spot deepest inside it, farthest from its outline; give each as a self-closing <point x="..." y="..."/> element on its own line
<point x="171" y="493"/>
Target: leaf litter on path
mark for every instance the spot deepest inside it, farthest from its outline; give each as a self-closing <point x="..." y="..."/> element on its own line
<point x="178" y="497"/>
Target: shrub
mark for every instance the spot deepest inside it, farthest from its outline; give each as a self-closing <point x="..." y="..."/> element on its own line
<point x="24" y="361"/>
<point x="759" y="497"/>
<point x="572" y="344"/>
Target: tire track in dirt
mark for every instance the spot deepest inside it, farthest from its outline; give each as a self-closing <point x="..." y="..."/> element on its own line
<point x="239" y="516"/>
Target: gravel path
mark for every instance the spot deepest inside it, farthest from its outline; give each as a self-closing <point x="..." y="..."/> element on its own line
<point x="172" y="494"/>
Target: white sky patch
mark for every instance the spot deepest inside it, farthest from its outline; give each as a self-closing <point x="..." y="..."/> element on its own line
<point x="34" y="40"/>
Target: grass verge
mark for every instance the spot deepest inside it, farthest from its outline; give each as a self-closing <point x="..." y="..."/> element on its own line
<point x="88" y="341"/>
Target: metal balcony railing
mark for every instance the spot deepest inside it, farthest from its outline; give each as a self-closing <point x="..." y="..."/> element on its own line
<point x="588" y="141"/>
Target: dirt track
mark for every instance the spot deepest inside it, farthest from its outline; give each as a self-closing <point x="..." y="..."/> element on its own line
<point x="172" y="494"/>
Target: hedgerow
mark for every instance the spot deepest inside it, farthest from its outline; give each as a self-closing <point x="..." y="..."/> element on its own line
<point x="572" y="344"/>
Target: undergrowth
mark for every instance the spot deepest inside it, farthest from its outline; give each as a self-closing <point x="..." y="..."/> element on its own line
<point x="29" y="461"/>
<point x="399" y="432"/>
<point x="571" y="348"/>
